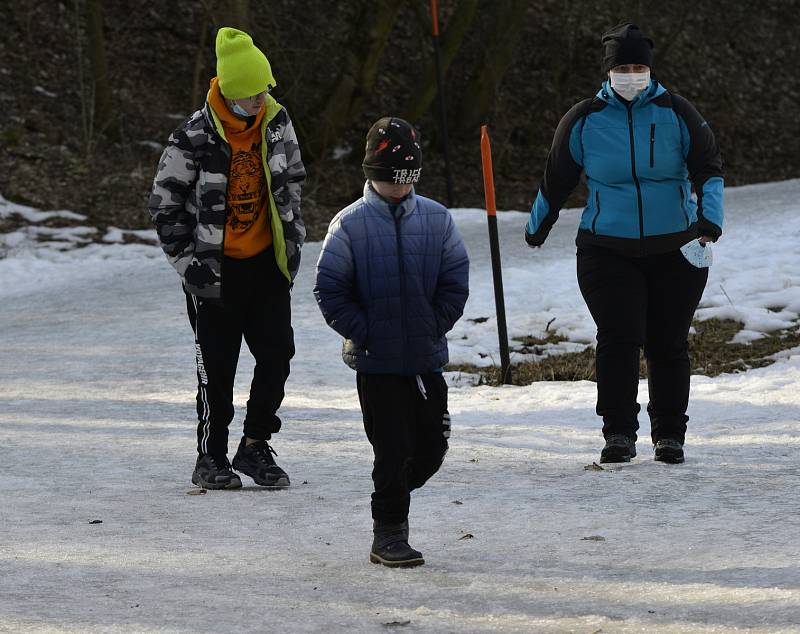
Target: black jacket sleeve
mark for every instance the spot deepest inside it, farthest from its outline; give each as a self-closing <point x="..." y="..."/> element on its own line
<point x="704" y="163"/>
<point x="561" y="174"/>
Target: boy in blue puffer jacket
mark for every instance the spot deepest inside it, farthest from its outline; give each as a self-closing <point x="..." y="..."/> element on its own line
<point x="392" y="279"/>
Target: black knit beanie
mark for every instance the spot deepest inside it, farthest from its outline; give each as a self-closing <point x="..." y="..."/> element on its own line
<point x="626" y="44"/>
<point x="393" y="154"/>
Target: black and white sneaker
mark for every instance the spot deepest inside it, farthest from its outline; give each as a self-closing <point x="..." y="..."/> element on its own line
<point x="214" y="472"/>
<point x="256" y="461"/>
<point x="619" y="448"/>
<point x="669" y="450"/>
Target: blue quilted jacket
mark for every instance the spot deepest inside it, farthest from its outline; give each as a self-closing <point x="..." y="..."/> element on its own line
<point x="392" y="280"/>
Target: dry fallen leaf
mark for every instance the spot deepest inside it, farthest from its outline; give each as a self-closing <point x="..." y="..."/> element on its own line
<point x="467" y="536"/>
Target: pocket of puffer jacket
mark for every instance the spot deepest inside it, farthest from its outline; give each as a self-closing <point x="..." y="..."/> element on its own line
<point x="436" y="333"/>
<point x="181" y="265"/>
<point x="683" y="207"/>
<point x="597" y="211"/>
<point x="199" y="276"/>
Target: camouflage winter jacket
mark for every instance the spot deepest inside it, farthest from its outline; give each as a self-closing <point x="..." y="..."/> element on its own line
<point x="188" y="201"/>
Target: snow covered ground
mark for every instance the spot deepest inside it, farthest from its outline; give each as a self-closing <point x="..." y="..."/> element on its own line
<point x="96" y="424"/>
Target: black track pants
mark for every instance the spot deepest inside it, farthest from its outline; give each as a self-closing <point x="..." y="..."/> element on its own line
<point x="641" y="302"/>
<point x="408" y="432"/>
<point x="257" y="307"/>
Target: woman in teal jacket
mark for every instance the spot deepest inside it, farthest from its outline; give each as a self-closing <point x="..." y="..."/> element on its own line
<point x="641" y="237"/>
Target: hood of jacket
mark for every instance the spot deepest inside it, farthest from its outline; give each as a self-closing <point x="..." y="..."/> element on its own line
<point x="375" y="200"/>
<point x="607" y="94"/>
<point x="271" y="109"/>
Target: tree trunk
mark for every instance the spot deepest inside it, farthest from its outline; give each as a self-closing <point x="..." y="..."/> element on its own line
<point x="103" y="106"/>
<point x="498" y="56"/>
<point x="451" y="42"/>
<point x="230" y="13"/>
<point x="198" y="81"/>
<point x="217" y="14"/>
<point x="239" y="15"/>
<point x="358" y="72"/>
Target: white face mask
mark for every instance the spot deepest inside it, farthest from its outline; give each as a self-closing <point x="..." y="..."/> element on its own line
<point x="629" y="85"/>
<point x="237" y="109"/>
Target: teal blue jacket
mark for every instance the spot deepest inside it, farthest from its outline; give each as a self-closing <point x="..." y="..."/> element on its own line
<point x="641" y="160"/>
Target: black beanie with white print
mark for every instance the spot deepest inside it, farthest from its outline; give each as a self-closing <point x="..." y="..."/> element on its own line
<point x="393" y="153"/>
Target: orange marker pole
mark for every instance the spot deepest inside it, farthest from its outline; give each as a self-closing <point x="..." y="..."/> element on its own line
<point x="442" y="111"/>
<point x="494" y="246"/>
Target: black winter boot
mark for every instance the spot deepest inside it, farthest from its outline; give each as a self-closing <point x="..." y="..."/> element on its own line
<point x="669" y="450"/>
<point x="214" y="472"/>
<point x="619" y="448"/>
<point x="256" y="461"/>
<point x="390" y="546"/>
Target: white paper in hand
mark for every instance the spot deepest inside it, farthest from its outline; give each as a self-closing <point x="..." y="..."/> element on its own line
<point x="697" y="254"/>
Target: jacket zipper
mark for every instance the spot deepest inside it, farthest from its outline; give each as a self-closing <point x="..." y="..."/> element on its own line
<point x="223" y="140"/>
<point x="683" y="208"/>
<point x="402" y="282"/>
<point x="596" y="213"/>
<point x="652" y="143"/>
<point x="224" y="227"/>
<point x="636" y="180"/>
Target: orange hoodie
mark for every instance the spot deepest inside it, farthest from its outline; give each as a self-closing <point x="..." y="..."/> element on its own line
<point x="247" y="230"/>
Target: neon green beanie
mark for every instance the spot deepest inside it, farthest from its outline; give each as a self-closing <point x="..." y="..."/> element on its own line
<point x="243" y="70"/>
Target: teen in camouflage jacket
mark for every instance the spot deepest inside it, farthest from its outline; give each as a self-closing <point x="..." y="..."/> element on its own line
<point x="188" y="201"/>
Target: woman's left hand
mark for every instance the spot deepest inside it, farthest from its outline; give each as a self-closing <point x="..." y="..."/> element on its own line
<point x="703" y="239"/>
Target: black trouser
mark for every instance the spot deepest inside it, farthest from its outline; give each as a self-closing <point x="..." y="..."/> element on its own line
<point x="648" y="301"/>
<point x="256" y="306"/>
<point x="408" y="431"/>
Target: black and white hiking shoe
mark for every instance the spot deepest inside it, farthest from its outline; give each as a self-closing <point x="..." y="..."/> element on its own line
<point x="256" y="461"/>
<point x="669" y="450"/>
<point x="214" y="472"/>
<point x="619" y="448"/>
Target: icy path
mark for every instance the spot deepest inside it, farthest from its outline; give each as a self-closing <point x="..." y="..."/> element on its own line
<point x="96" y="407"/>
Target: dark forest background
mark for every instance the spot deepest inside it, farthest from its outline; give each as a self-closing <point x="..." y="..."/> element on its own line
<point x="91" y="89"/>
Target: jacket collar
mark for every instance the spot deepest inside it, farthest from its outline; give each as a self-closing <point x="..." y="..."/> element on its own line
<point x="405" y="207"/>
<point x="231" y="124"/>
<point x="272" y="110"/>
<point x="654" y="90"/>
